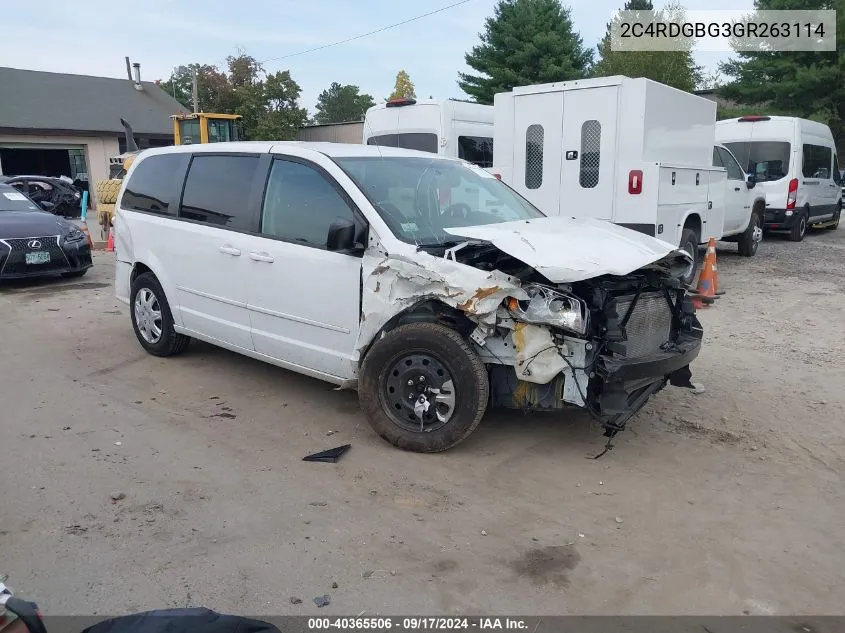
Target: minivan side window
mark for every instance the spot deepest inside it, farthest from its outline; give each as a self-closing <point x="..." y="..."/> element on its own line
<point x="217" y="190"/>
<point x="534" y="156"/>
<point x="476" y="149"/>
<point x="816" y="161"/>
<point x="152" y="185"/>
<point x="300" y="204"/>
<point x="421" y="141"/>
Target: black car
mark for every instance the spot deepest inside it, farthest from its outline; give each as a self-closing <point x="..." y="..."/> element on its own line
<point x="62" y="194"/>
<point x="34" y="242"/>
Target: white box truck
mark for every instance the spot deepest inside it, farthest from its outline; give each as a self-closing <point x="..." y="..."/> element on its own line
<point x="449" y="128"/>
<point x="632" y="151"/>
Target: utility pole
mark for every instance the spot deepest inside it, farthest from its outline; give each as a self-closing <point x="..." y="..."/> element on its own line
<point x="194" y="91"/>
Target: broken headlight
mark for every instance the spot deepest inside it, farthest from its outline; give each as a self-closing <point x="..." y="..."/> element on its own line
<point x="550" y="307"/>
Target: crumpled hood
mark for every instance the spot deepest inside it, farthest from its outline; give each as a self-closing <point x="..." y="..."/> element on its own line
<point x="18" y="224"/>
<point x="566" y="250"/>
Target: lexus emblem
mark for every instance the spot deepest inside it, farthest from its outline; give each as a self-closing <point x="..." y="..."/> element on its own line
<point x="34" y="244"/>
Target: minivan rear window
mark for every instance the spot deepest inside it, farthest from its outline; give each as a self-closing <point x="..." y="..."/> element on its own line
<point x="767" y="160"/>
<point x="816" y="163"/>
<point x="218" y="189"/>
<point x="152" y="185"/>
<point x="421" y="141"/>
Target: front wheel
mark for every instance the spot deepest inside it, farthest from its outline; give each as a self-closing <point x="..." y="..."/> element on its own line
<point x="689" y="243"/>
<point x="423" y="388"/>
<point x="750" y="239"/>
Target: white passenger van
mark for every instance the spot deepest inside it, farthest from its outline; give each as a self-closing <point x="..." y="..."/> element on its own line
<point x="354" y="265"/>
<point x="449" y="128"/>
<point x="795" y="165"/>
<point x="632" y="151"/>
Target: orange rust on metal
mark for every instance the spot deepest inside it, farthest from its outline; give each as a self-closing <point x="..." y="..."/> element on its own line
<point x="480" y="294"/>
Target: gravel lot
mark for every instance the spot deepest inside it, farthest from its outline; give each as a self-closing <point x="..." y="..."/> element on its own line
<point x="721" y="503"/>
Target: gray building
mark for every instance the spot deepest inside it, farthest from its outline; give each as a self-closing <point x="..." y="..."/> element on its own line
<point x="54" y="124"/>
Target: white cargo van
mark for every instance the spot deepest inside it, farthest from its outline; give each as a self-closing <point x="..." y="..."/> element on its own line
<point x="795" y="165"/>
<point x="450" y="128"/>
<point x="632" y="151"/>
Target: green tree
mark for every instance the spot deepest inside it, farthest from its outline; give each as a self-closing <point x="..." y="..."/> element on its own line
<point x="342" y="103"/>
<point x="673" y="68"/>
<point x="805" y="84"/>
<point x="268" y="103"/>
<point x="525" y="42"/>
<point x="404" y="87"/>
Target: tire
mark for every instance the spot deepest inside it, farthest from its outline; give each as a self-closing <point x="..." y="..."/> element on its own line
<point x="168" y="342"/>
<point x="398" y="360"/>
<point x="799" y="229"/>
<point x="835" y="224"/>
<point x="748" y="241"/>
<point x="689" y="243"/>
<point x="75" y="274"/>
<point x="107" y="191"/>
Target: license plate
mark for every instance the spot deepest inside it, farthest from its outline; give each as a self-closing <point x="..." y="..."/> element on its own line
<point x="38" y="257"/>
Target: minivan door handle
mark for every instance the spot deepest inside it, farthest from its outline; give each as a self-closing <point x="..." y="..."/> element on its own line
<point x="262" y="257"/>
<point x="230" y="250"/>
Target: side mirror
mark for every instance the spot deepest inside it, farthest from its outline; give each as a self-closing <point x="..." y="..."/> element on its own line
<point x="750" y="181"/>
<point x="341" y="235"/>
<point x="47" y="205"/>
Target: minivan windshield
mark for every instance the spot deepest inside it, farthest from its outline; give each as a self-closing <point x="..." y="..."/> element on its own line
<point x="420" y="197"/>
<point x="767" y="160"/>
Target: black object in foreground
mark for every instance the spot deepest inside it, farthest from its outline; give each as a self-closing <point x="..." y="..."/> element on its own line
<point x="331" y="455"/>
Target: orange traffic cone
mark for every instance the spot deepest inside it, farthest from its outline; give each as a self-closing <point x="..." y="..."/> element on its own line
<point x="110" y="243"/>
<point x="708" y="278"/>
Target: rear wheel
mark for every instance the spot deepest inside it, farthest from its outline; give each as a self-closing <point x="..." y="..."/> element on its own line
<point x="152" y="319"/>
<point x="799" y="229"/>
<point x="750" y="239"/>
<point x="423" y="388"/>
<point x="689" y="243"/>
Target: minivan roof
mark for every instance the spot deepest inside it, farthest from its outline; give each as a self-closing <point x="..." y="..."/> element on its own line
<point x="334" y="150"/>
<point x="806" y="125"/>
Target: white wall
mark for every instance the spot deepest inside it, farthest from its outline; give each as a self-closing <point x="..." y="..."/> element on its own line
<point x="97" y="150"/>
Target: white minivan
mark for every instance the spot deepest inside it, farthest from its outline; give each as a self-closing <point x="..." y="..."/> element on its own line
<point x="449" y="128"/>
<point x="355" y="265"/>
<point x="794" y="163"/>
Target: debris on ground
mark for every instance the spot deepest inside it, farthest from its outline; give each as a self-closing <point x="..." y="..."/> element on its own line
<point x="334" y="585"/>
<point x="330" y="456"/>
<point x="118" y="443"/>
<point x="295" y="600"/>
<point x="118" y="495"/>
<point x="318" y="504"/>
<point x="698" y="389"/>
<point x="322" y="601"/>
<point x="367" y="573"/>
<point x="483" y="532"/>
<point x="619" y="519"/>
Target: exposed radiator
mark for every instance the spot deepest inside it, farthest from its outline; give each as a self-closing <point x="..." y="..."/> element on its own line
<point x="650" y="325"/>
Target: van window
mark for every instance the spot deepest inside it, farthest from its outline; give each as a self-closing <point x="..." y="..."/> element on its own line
<point x="734" y="170"/>
<point x="300" y="204"/>
<point x="534" y="156"/>
<point x="217" y="190"/>
<point x="717" y="159"/>
<point x="767" y="160"/>
<point x="423" y="142"/>
<point x="476" y="149"/>
<point x="837" y="175"/>
<point x="588" y="177"/>
<point x="152" y="185"/>
<point x="816" y="161"/>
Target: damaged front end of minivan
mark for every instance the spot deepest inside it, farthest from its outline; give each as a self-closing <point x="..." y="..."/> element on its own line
<point x="600" y="330"/>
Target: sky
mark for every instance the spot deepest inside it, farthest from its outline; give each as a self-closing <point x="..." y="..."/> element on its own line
<point x="93" y="37"/>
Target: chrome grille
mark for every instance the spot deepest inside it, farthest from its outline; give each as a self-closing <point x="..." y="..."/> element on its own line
<point x="650" y="325"/>
<point x="16" y="261"/>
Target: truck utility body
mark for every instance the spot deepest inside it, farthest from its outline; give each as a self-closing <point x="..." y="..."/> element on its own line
<point x="449" y="128"/>
<point x="631" y="151"/>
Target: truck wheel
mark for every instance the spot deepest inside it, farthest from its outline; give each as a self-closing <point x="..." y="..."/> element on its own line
<point x="152" y="319"/>
<point x="799" y="229"/>
<point x="427" y="370"/>
<point x="750" y="239"/>
<point x="689" y="243"/>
